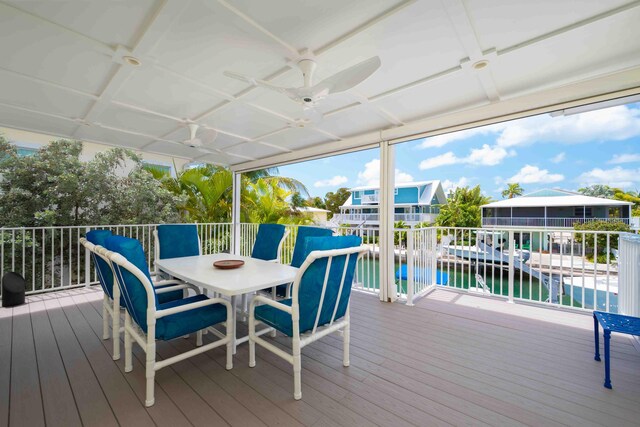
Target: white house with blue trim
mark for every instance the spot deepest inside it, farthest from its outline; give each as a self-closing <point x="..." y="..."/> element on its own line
<point x="415" y="202"/>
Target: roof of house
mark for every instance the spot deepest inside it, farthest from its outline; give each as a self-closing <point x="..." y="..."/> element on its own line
<point x="310" y="209"/>
<point x="554" y="198"/>
<point x="398" y="185"/>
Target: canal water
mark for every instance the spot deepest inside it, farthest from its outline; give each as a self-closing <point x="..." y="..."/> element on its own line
<point x="496" y="280"/>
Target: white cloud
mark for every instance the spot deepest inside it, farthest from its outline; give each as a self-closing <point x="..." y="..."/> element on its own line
<point x="448" y="185"/>
<point x="558" y="158"/>
<point x="610" y="124"/>
<point x="445" y="159"/>
<point x="534" y="175"/>
<point x="624" y="158"/>
<point x="331" y="182"/>
<point x="615" y="177"/>
<point x="444" y="139"/>
<point x="485" y="156"/>
<point x="371" y="174"/>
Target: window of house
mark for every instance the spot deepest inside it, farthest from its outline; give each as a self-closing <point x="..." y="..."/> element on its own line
<point x="356" y="195"/>
<point x="581" y="211"/>
<point x="26" y="151"/>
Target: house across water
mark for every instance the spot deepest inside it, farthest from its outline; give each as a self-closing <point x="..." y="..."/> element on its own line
<point x="555" y="209"/>
<point x="415" y="202"/>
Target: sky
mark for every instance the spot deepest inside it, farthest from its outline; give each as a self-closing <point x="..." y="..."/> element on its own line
<point x="568" y="152"/>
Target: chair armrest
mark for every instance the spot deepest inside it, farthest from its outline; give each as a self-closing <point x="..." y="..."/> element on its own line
<point x="269" y="301"/>
<point x="193" y="306"/>
<point x="178" y="287"/>
<point x="167" y="282"/>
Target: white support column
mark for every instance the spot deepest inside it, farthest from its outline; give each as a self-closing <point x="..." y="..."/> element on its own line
<point x="235" y="214"/>
<point x="387" y="184"/>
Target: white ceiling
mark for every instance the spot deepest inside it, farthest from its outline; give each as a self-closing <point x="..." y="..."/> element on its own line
<point x="62" y="71"/>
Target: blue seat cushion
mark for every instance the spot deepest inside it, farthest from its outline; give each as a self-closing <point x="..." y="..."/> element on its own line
<point x="310" y="287"/>
<point x="178" y="240"/>
<point x="299" y="254"/>
<point x="105" y="275"/>
<point x="281" y="320"/>
<point x="267" y="241"/>
<point x="187" y="322"/>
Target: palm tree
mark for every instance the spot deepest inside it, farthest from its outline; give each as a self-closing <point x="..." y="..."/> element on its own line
<point x="513" y="190"/>
<point x="209" y="188"/>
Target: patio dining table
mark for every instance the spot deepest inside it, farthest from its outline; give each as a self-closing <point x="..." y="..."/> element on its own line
<point x="254" y="275"/>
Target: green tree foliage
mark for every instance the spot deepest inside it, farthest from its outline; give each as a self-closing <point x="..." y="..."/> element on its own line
<point x="512" y="190"/>
<point x="333" y="201"/>
<point x="462" y="208"/>
<point x="590" y="239"/>
<point x="603" y="191"/>
<point x="55" y="187"/>
<point x="264" y="201"/>
<point x="297" y="201"/>
<point x="316" y="202"/>
<point x="208" y="193"/>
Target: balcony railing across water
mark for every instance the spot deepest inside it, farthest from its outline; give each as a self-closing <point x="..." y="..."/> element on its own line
<point x="353" y="218"/>
<point x="566" y="268"/>
<point x="546" y="222"/>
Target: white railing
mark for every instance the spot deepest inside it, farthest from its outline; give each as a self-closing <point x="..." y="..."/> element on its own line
<point x="544" y="222"/>
<point x="51" y="258"/>
<point x="552" y="267"/>
<point x="567" y="268"/>
<point x="369" y="199"/>
<point x="372" y="218"/>
<point x="629" y="274"/>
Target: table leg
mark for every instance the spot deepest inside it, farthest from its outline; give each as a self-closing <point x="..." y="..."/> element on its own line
<point x="596" y="332"/>
<point x="607" y="367"/>
<point x="234" y="304"/>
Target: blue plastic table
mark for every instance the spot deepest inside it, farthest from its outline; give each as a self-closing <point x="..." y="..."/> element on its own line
<point x="612" y="323"/>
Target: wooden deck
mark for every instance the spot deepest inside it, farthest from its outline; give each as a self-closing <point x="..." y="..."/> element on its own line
<point x="452" y="359"/>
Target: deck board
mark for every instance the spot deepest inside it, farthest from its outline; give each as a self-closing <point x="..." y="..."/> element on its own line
<point x="6" y="327"/>
<point x="453" y="359"/>
<point x="25" y="399"/>
<point x="53" y="377"/>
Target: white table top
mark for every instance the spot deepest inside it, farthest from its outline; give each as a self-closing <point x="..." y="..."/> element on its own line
<point x="254" y="275"/>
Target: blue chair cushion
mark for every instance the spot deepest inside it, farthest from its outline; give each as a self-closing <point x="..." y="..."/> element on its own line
<point x="186" y="322"/>
<point x="310" y="287"/>
<point x="178" y="240"/>
<point x="105" y="275"/>
<point x="267" y="241"/>
<point x="299" y="254"/>
<point x="134" y="294"/>
<point x="281" y="320"/>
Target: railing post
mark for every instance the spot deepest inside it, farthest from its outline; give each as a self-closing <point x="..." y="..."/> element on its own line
<point x="235" y="213"/>
<point x="434" y="255"/>
<point x="512" y="245"/>
<point x="410" y="275"/>
<point x="87" y="262"/>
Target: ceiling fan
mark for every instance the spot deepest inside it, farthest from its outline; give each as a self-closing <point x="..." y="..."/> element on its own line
<point x="200" y="139"/>
<point x="310" y="94"/>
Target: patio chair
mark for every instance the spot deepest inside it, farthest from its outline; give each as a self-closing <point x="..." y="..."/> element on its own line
<point x="112" y="302"/>
<point x="148" y="320"/>
<point x="319" y="304"/>
<point x="298" y="257"/>
<point x="175" y="241"/>
<point x="269" y="241"/>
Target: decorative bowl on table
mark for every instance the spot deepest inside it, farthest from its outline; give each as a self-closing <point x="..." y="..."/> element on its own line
<point x="228" y="264"/>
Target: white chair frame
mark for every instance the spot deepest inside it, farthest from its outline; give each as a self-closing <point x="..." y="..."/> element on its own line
<point x="111" y="307"/>
<point x="148" y="342"/>
<point x="278" y="259"/>
<point x="301" y="340"/>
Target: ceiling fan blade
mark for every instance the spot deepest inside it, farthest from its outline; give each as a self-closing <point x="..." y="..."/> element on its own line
<point x="346" y="79"/>
<point x="290" y="92"/>
<point x="312" y="114"/>
<point x="207" y="136"/>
